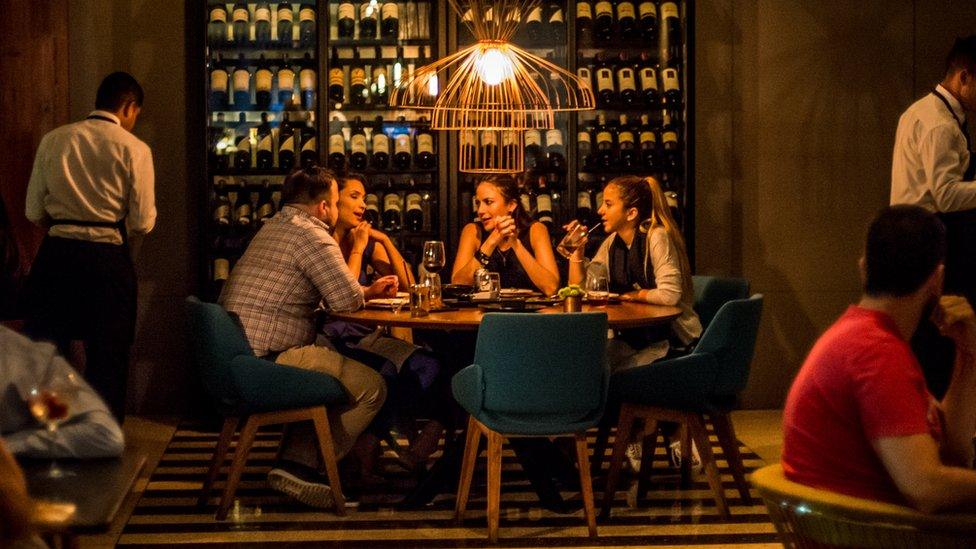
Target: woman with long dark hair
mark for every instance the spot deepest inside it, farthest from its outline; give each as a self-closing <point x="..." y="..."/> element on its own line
<point x="505" y="240"/>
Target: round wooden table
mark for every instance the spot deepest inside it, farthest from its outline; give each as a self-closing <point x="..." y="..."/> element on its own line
<point x="619" y="315"/>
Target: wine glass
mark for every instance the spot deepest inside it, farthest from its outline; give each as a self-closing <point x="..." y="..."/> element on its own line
<point x="434" y="257"/>
<point x="597" y="285"/>
<point x="49" y="402"/>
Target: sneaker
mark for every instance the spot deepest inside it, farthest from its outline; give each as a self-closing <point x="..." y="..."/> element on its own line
<point x="633" y="454"/>
<point x="674" y="455"/>
<point x="307" y="490"/>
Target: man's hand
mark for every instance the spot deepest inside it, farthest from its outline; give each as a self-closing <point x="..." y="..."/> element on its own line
<point x="383" y="287"/>
<point x="955" y="319"/>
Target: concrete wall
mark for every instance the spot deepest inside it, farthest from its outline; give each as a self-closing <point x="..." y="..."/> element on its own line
<point x="146" y="38"/>
<point x="797" y="108"/>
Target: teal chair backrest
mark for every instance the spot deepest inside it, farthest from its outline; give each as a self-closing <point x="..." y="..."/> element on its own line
<point x="543" y="364"/>
<point x="215" y="340"/>
<point x="731" y="339"/>
<point x="711" y="292"/>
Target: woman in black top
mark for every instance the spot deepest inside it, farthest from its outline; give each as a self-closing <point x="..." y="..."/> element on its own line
<point x="505" y="240"/>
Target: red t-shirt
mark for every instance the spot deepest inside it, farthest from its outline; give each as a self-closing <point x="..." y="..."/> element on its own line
<point x="860" y="382"/>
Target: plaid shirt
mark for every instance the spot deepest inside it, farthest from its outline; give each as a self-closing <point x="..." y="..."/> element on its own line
<point x="291" y="265"/>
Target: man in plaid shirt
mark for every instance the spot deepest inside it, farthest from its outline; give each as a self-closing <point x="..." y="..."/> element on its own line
<point x="291" y="267"/>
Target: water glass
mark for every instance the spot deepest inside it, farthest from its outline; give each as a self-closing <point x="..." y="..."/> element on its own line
<point x="481" y="281"/>
<point x="433" y="282"/>
<point x="572" y="241"/>
<point x="419" y="300"/>
<point x="494" y="286"/>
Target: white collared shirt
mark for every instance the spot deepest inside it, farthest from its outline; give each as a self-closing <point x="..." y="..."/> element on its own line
<point x="92" y="170"/>
<point x="931" y="156"/>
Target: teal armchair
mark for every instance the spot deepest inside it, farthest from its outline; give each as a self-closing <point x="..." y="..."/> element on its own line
<point x="711" y="292"/>
<point x="684" y="390"/>
<point x="534" y="375"/>
<point x="251" y="392"/>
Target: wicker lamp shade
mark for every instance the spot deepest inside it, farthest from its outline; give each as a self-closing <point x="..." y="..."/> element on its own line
<point x="493" y="84"/>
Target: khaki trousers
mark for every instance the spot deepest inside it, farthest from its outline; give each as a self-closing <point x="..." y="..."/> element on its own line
<point x="364" y="387"/>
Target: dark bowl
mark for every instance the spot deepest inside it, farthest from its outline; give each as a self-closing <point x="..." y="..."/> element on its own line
<point x="457" y="291"/>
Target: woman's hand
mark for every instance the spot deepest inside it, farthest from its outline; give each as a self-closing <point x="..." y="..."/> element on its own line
<point x="359" y="236"/>
<point x="506" y="228"/>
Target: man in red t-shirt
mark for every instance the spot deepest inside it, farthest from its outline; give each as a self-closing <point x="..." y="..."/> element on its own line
<point x="859" y="419"/>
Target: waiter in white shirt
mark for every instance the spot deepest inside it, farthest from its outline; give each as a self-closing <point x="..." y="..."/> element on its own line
<point x="91" y="187"/>
<point x="932" y="167"/>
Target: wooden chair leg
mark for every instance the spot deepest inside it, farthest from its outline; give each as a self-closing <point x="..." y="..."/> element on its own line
<point x="220" y="454"/>
<point x="281" y="445"/>
<point x="686" y="437"/>
<point x="472" y="441"/>
<point x="327" y="451"/>
<point x="624" y="427"/>
<point x="648" y="447"/>
<point x="730" y="446"/>
<point x="494" y="484"/>
<point x="697" y="429"/>
<point x="586" y="483"/>
<point x="600" y="447"/>
<point x="244" y="443"/>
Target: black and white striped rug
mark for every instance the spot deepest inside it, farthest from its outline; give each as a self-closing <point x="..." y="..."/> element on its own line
<point x="167" y="514"/>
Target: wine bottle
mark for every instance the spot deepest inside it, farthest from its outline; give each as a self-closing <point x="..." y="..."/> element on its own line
<point x="306" y="23"/>
<point x="669" y="134"/>
<point x="244" y="142"/>
<point x="357" y="81"/>
<point x="242" y="209"/>
<point x="648" y="144"/>
<point x="264" y="155"/>
<point x="672" y="87"/>
<point x="670" y="39"/>
<point x="241" y="84"/>
<point x="489" y="149"/>
<point x="218" y="143"/>
<point x="604" y="144"/>
<point x="626" y="20"/>
<point x="555" y="150"/>
<point x="626" y="82"/>
<point x="262" y="25"/>
<point x="606" y="95"/>
<point x="336" y="79"/>
<point x="337" y="146"/>
<point x="266" y="205"/>
<point x="525" y="197"/>
<point x="402" y="149"/>
<point x="603" y="22"/>
<point x="647" y="22"/>
<point x="306" y="81"/>
<point x="648" y="81"/>
<point x="242" y="23"/>
<point x="543" y="204"/>
<point x="222" y="208"/>
<point x="286" y="24"/>
<point x="367" y="20"/>
<point x="584" y="148"/>
<point x="286" y="82"/>
<point x="221" y="272"/>
<point x="509" y="148"/>
<point x="381" y="145"/>
<point x="533" y="150"/>
<point x="379" y="87"/>
<point x="533" y="25"/>
<point x="309" y="155"/>
<point x="468" y="207"/>
<point x="262" y="84"/>
<point x="414" y="216"/>
<point x="372" y="214"/>
<point x="584" y="22"/>
<point x="583" y="73"/>
<point x="286" y="144"/>
<point x="358" y="158"/>
<point x="218" y="85"/>
<point x="392" y="208"/>
<point x="469" y="147"/>
<point x="346" y="25"/>
<point x="217" y="26"/>
<point x="557" y="23"/>
<point x="626" y="145"/>
<point x="390" y="24"/>
<point x="584" y="207"/>
<point x="426" y="158"/>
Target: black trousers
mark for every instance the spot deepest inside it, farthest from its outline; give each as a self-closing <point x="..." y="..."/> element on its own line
<point x="80" y="290"/>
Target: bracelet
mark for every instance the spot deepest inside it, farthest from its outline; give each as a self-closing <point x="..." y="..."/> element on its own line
<point x="576" y="261"/>
<point x="482" y="257"/>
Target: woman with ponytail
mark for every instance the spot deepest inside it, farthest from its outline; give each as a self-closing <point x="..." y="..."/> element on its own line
<point x="646" y="261"/>
<point x="506" y="240"/>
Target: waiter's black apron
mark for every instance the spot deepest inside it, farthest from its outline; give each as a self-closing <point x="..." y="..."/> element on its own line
<point x="935" y="352"/>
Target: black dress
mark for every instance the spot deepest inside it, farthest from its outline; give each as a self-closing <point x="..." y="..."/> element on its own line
<point x="506" y="264"/>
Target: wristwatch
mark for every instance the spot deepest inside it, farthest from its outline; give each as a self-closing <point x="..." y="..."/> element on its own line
<point x="482" y="257"/>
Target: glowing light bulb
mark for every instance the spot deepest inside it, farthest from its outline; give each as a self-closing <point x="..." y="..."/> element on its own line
<point x="493" y="66"/>
<point x="432" y="87"/>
